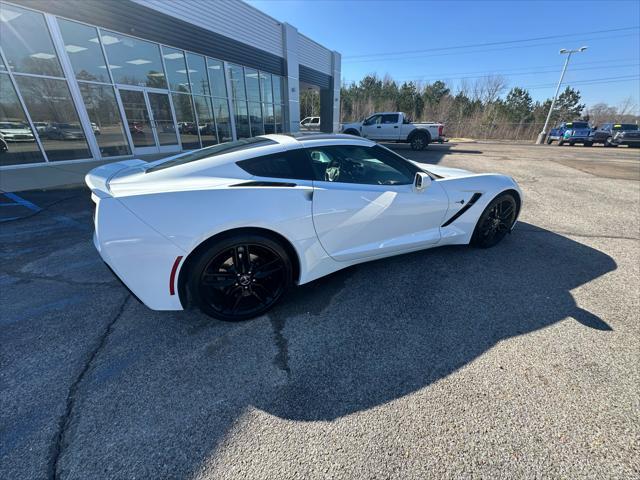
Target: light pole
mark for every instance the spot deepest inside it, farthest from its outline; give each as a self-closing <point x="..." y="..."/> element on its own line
<point x="543" y="134"/>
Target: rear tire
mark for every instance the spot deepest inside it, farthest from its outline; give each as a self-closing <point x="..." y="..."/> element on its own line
<point x="240" y="277"/>
<point x="495" y="222"/>
<point x="560" y="143"/>
<point x="549" y="141"/>
<point x="419" y="141"/>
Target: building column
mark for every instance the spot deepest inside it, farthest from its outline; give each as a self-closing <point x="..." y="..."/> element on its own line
<point x="292" y="70"/>
<point x="330" y="99"/>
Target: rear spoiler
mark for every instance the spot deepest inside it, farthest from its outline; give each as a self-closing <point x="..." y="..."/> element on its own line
<point x="98" y="178"/>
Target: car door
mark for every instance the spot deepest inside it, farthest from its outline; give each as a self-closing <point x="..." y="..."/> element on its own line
<point x="365" y="205"/>
<point x="389" y="128"/>
<point x="371" y="127"/>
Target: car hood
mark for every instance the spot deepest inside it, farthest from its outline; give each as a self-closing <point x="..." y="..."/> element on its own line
<point x="444" y="172"/>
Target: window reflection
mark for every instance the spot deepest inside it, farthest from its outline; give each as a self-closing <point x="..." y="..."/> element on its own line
<point x="277" y="89"/>
<point x="242" y="119"/>
<point x="100" y="101"/>
<point x="253" y="84"/>
<point x="17" y="141"/>
<point x="133" y="61"/>
<point x="223" y="120"/>
<point x="255" y="117"/>
<point x="278" y="118"/>
<point x="269" y="122"/>
<point x="198" y="74"/>
<point x="163" y="118"/>
<point x="216" y="78"/>
<point x="26" y="42"/>
<point x="236" y="78"/>
<point x="83" y="49"/>
<point x="54" y="115"/>
<point x="206" y="123"/>
<point x="176" y="69"/>
<point x="266" y="88"/>
<point x="138" y="118"/>
<point x="187" y="126"/>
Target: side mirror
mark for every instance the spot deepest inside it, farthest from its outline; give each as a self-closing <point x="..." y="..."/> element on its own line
<point x="421" y="182"/>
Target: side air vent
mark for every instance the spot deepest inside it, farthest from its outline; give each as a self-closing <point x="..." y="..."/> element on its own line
<point x="469" y="204"/>
<point x="263" y="184"/>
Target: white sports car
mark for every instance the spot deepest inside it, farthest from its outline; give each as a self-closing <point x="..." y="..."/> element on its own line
<point x="230" y="228"/>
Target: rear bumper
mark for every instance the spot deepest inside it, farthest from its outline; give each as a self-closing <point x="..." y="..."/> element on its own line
<point x="139" y="256"/>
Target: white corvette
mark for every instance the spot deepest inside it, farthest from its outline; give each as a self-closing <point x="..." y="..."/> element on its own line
<point x="229" y="228"/>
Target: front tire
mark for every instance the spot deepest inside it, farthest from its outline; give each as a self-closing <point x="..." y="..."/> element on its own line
<point x="240" y="277"/>
<point x="495" y="222"/>
<point x="560" y="142"/>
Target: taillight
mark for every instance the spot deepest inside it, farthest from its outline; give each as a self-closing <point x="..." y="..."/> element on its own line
<point x="440" y="129"/>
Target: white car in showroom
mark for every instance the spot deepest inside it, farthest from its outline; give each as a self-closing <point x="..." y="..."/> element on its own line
<point x="229" y="228"/>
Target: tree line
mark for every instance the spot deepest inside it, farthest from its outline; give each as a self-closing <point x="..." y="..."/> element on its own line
<point x="483" y="108"/>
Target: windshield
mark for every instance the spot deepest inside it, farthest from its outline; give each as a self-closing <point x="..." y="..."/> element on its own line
<point x="578" y="125"/>
<point x="625" y="126"/>
<point x="12" y="126"/>
<point x="212" y="151"/>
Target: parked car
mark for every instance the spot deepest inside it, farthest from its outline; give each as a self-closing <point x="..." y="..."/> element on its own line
<point x="557" y="134"/>
<point x="396" y="127"/>
<point x="16" y="132"/>
<point x="310" y="123"/>
<point x="3" y="145"/>
<point x="95" y="128"/>
<point x="64" y="131"/>
<point x="576" y="132"/>
<point x="614" y="134"/>
<point x="229" y="228"/>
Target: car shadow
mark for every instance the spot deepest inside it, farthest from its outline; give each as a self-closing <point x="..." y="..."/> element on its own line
<point x="180" y="385"/>
<point x="400" y="324"/>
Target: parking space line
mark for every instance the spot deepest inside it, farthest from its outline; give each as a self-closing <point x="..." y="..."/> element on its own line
<point x="21" y="201"/>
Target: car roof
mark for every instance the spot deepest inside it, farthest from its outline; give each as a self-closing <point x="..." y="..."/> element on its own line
<point x="304" y="139"/>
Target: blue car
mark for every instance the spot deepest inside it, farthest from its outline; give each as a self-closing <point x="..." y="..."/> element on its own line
<point x="571" y="133"/>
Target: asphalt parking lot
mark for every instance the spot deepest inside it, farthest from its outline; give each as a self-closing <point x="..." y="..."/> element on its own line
<point x="521" y="361"/>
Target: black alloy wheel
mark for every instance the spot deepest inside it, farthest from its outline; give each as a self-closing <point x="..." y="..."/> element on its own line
<point x="419" y="141"/>
<point x="241" y="277"/>
<point x="495" y="222"/>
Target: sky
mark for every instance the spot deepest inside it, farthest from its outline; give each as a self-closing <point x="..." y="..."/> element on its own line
<point x="372" y="35"/>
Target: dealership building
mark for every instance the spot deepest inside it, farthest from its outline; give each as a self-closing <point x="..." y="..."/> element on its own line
<point x="86" y="81"/>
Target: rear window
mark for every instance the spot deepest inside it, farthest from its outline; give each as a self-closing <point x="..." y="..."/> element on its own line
<point x="213" y="151"/>
<point x="293" y="164"/>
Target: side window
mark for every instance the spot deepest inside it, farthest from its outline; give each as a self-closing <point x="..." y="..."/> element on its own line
<point x="292" y="164"/>
<point x="362" y="165"/>
<point x="389" y="118"/>
<point x="374" y="120"/>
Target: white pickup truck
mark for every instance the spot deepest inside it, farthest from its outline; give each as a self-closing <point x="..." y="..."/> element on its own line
<point x="395" y="127"/>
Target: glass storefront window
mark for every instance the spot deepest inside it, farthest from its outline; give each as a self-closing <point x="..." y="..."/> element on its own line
<point x="266" y="88"/>
<point x="255" y="117"/>
<point x="277" y="89"/>
<point x="3" y="68"/>
<point x="253" y="84"/>
<point x="236" y="78"/>
<point x="187" y="126"/>
<point x="51" y="108"/>
<point x="267" y="109"/>
<point x="278" y="117"/>
<point x="223" y="120"/>
<point x="26" y="42"/>
<point x="242" y="119"/>
<point x="176" y="69"/>
<point x="216" y="78"/>
<point x="206" y="124"/>
<point x="133" y="61"/>
<point x="100" y="101"/>
<point x="83" y="49"/>
<point x="17" y="140"/>
<point x="198" y="74"/>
